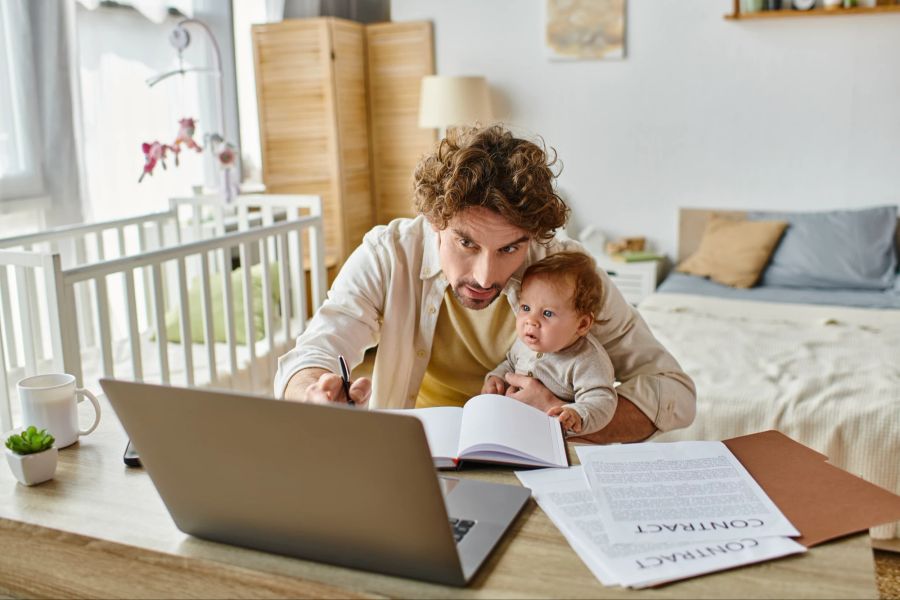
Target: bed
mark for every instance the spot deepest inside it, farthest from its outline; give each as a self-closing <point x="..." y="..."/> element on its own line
<point x="203" y="294"/>
<point x="820" y="365"/>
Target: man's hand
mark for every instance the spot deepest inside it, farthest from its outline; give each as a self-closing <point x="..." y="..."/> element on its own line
<point x="493" y="385"/>
<point x="569" y="418"/>
<point x="532" y="392"/>
<point x="324" y="387"/>
<point x="628" y="424"/>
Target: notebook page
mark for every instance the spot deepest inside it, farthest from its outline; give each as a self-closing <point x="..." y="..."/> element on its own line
<point x="492" y="422"/>
<point x="442" y="426"/>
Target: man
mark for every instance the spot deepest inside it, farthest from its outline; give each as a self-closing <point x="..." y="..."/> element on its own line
<point x="436" y="294"/>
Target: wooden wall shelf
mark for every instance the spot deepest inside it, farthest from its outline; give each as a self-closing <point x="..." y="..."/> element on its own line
<point x="816" y="12"/>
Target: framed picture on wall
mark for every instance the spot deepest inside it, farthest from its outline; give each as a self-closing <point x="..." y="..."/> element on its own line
<point x="585" y="29"/>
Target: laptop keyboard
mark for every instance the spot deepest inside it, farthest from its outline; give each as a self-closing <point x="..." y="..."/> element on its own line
<point x="460" y="528"/>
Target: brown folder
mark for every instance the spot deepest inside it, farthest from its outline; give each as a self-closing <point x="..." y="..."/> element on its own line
<point x="822" y="501"/>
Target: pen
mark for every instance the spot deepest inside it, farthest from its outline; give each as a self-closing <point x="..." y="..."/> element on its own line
<point x="345" y="378"/>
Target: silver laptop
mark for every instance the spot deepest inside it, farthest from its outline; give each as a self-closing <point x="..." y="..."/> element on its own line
<point x="327" y="483"/>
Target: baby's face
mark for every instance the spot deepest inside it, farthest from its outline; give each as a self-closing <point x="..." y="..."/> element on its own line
<point x="546" y="320"/>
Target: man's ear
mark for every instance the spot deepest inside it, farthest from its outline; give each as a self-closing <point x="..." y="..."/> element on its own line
<point x="584" y="324"/>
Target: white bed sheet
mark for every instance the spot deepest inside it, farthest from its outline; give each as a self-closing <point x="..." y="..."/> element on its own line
<point x="827" y="376"/>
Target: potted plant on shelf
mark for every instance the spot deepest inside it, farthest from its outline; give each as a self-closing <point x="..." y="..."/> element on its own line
<point x="32" y="456"/>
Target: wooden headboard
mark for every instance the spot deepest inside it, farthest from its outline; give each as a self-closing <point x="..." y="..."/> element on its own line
<point x="692" y="222"/>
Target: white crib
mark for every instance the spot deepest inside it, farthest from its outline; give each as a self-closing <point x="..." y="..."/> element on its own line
<point x="57" y="289"/>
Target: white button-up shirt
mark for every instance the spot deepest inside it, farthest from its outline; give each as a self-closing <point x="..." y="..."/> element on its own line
<point x="389" y="293"/>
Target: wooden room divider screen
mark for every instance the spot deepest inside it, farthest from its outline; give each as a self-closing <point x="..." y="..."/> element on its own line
<point x="338" y="114"/>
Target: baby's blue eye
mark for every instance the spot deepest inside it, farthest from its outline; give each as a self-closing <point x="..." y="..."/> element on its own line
<point x="548" y="313"/>
<point x="525" y="308"/>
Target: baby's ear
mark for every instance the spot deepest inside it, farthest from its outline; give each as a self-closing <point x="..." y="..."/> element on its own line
<point x="585" y="323"/>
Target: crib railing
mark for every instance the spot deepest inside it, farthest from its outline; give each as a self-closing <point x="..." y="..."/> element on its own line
<point x="20" y="270"/>
<point x="293" y="298"/>
<point x="79" y="245"/>
<point x="82" y="234"/>
<point x="245" y="212"/>
<point x="59" y="311"/>
<point x="188" y="219"/>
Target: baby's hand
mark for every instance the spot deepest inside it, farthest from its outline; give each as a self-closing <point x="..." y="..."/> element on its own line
<point x="493" y="385"/>
<point x="569" y="417"/>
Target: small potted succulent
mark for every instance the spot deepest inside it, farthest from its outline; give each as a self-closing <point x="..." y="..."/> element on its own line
<point x="32" y="456"/>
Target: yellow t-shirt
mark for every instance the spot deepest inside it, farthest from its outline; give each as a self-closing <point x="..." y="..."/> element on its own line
<point x="467" y="344"/>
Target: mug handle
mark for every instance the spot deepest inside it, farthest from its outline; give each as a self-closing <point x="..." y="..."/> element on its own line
<point x="86" y="393"/>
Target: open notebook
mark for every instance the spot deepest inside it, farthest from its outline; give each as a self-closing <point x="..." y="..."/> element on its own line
<point x="492" y="428"/>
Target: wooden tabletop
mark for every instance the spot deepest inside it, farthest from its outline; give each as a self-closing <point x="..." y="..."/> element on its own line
<point x="99" y="529"/>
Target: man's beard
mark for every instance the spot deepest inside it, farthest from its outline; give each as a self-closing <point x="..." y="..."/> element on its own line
<point x="472" y="303"/>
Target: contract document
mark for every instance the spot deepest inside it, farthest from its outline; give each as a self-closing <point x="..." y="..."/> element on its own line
<point x="566" y="498"/>
<point x="678" y="492"/>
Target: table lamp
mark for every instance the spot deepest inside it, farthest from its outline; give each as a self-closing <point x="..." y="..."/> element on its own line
<point x="447" y="101"/>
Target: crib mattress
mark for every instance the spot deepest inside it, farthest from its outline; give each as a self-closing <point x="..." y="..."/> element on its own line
<point x="255" y="378"/>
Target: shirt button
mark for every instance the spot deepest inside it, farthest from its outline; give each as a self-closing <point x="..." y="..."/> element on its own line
<point x="530" y="374"/>
<point x="431" y="310"/>
<point x="412" y="397"/>
<point x="420" y="353"/>
<point x="540" y="354"/>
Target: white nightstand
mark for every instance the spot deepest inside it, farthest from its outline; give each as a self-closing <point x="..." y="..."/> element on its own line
<point x="635" y="280"/>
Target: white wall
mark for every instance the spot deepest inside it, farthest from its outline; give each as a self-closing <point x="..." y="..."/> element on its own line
<point x="703" y="112"/>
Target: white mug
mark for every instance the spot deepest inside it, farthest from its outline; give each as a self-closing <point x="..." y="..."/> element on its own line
<point x="49" y="402"/>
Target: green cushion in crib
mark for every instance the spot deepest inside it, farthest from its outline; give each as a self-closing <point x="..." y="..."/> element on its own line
<point x="173" y="324"/>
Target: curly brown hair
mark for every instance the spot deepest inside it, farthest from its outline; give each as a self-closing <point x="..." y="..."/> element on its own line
<point x="576" y="269"/>
<point x="488" y="167"/>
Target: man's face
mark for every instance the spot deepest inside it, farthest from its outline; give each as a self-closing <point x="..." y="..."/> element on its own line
<point x="479" y="252"/>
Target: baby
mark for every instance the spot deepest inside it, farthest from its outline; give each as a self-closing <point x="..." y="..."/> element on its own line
<point x="560" y="297"/>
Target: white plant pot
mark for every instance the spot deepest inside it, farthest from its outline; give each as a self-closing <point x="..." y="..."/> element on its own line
<point x="32" y="469"/>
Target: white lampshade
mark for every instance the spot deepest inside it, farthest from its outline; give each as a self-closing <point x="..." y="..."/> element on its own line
<point x="447" y="101"/>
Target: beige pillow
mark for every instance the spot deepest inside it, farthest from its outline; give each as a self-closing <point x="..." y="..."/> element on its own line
<point x="734" y="252"/>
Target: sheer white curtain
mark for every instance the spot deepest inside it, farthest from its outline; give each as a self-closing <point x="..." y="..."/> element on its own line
<point x="20" y="169"/>
<point x="155" y="10"/>
<point x="53" y="48"/>
<point x="40" y="159"/>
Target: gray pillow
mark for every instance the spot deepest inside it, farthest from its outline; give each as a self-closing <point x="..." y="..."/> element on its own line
<point x="834" y="249"/>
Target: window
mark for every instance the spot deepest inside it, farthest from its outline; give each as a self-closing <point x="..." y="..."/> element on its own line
<point x="20" y="167"/>
<point x="119" y="50"/>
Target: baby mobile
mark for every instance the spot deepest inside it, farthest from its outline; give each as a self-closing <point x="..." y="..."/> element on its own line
<point x="225" y="154"/>
<point x="155" y="152"/>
